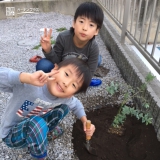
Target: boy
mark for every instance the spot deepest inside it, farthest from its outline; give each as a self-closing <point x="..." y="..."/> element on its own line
<point x="78" y="42"/>
<point x="40" y="101"/>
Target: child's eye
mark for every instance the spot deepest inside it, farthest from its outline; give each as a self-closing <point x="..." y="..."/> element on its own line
<point x="66" y="74"/>
<point x="81" y="21"/>
<point x="74" y="86"/>
<point x="91" y="25"/>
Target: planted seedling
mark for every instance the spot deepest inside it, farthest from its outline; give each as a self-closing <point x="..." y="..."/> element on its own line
<point x="125" y="109"/>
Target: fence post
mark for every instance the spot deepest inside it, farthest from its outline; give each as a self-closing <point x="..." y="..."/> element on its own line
<point x="125" y="19"/>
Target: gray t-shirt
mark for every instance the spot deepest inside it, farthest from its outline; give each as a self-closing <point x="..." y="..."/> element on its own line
<point x="65" y="48"/>
<point x="28" y="100"/>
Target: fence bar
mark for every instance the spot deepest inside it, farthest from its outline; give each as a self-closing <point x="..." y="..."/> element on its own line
<point x="144" y="18"/>
<point x="136" y="28"/>
<point x="145" y="53"/>
<point x="121" y="11"/>
<point x="132" y="19"/>
<point x="117" y="9"/>
<point x="114" y="8"/>
<point x="150" y="23"/>
<point x="108" y="4"/>
<point x="124" y="10"/>
<point x="125" y="19"/>
<point x="155" y="39"/>
<point x="111" y="16"/>
<point x="112" y="11"/>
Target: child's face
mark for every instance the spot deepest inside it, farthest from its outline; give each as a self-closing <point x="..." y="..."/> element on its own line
<point x="66" y="82"/>
<point x="84" y="28"/>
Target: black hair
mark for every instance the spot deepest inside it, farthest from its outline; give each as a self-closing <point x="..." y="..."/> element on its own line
<point x="82" y="71"/>
<point x="90" y="10"/>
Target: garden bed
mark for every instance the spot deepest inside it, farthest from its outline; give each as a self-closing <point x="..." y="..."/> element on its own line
<point x="139" y="141"/>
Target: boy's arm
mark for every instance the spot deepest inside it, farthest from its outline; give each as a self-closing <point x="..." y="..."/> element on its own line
<point x="93" y="57"/>
<point x="78" y="110"/>
<point x="55" y="54"/>
<point x="38" y="78"/>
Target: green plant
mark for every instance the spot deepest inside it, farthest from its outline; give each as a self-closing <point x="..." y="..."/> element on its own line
<point x="125" y="109"/>
<point x="112" y="88"/>
<point x="53" y="41"/>
<point x="39" y="45"/>
<point x="61" y="29"/>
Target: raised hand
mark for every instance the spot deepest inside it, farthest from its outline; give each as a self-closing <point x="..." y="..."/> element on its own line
<point x="53" y="72"/>
<point x="38" y="78"/>
<point x="46" y="40"/>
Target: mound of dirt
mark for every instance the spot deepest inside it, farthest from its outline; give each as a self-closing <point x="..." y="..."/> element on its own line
<point x="139" y="142"/>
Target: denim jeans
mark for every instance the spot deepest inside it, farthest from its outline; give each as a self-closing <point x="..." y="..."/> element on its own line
<point x="46" y="65"/>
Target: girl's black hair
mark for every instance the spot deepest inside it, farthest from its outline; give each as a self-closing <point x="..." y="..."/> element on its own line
<point x="82" y="71"/>
<point x="90" y="10"/>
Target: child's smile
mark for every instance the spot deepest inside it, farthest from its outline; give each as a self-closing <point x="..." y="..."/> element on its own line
<point x="66" y="82"/>
<point x="59" y="88"/>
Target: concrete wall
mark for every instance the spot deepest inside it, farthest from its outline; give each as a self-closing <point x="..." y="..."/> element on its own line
<point x="62" y="6"/>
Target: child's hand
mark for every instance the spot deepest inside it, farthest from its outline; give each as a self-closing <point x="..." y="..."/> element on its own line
<point x="89" y="132"/>
<point x="53" y="72"/>
<point x="46" y="40"/>
<point x="39" y="78"/>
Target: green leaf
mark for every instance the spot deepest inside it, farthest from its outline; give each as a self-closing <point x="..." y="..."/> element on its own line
<point x="149" y="77"/>
<point x="133" y="111"/>
<point x="142" y="87"/>
<point x="146" y="105"/>
<point x="112" y="88"/>
<point x="149" y="121"/>
<point x="53" y="41"/>
<point x="126" y="110"/>
<point x="37" y="47"/>
<point x="61" y="29"/>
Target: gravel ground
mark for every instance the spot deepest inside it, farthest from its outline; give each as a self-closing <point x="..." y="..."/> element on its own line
<point x="18" y="37"/>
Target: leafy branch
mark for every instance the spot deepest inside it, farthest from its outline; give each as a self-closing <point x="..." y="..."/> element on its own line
<point x="132" y="93"/>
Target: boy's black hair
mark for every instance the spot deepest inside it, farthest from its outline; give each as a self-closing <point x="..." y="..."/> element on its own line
<point x="82" y="71"/>
<point x="90" y="10"/>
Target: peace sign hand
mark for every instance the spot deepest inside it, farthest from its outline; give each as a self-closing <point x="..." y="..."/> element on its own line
<point x="46" y="40"/>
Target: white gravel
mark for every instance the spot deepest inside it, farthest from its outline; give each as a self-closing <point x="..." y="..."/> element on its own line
<point x="18" y="37"/>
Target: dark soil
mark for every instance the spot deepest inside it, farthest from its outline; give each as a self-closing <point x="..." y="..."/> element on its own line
<point x="139" y="141"/>
<point x="101" y="71"/>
